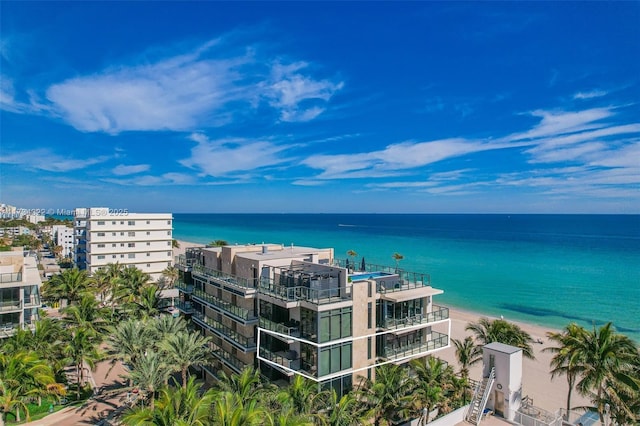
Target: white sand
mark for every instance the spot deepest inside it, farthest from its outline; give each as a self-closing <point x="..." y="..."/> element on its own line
<point x="537" y="384"/>
<point x="536" y="381"/>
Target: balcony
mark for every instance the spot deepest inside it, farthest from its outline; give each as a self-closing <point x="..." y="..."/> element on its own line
<point x="243" y="342"/>
<point x="184" y="307"/>
<point x="31" y="302"/>
<point x="283" y="358"/>
<point x="187" y="289"/>
<point x="226" y="307"/>
<point x="287" y="328"/>
<point x="393" y="352"/>
<point x="10" y="277"/>
<point x="440" y="313"/>
<point x="184" y="263"/>
<point x="221" y="278"/>
<point x="227" y="359"/>
<point x="10" y="305"/>
<point x="297" y="294"/>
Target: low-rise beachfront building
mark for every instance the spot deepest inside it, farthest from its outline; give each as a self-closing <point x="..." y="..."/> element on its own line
<point x="63" y="237"/>
<point x="298" y="310"/>
<point x="19" y="291"/>
<point x="104" y="236"/>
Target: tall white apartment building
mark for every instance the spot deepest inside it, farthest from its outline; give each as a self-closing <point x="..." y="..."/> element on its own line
<point x="63" y="237"/>
<point x="19" y="291"/>
<point x="105" y="235"/>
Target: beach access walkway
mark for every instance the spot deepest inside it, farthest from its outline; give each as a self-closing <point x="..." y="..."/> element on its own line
<point x="110" y="398"/>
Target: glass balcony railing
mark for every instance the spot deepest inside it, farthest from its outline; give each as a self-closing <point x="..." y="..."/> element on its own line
<point x="185" y="307"/>
<point x="247" y="343"/>
<point x="11" y="277"/>
<point x="10" y="305"/>
<point x="31" y="301"/>
<point x="283" y="328"/>
<point x="225" y="357"/>
<point x="440" y="313"/>
<point x="296" y="294"/>
<point x="281" y="359"/>
<point x="221" y="278"/>
<point x="227" y="307"/>
<point x="188" y="289"/>
<point x="394" y="351"/>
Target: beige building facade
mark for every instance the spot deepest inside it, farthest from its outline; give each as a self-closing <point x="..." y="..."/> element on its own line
<point x="19" y="291"/>
<point x="298" y="310"/>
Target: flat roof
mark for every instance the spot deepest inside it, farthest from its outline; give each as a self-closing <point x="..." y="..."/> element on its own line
<point x="284" y="253"/>
<point x="414" y="293"/>
<point x="503" y="348"/>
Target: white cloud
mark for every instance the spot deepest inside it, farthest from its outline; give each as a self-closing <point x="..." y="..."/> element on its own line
<point x="227" y="157"/>
<point x="122" y="170"/>
<point x="44" y="159"/>
<point x="555" y="123"/>
<point x="298" y="97"/>
<point x="208" y="86"/>
<point x="591" y="94"/>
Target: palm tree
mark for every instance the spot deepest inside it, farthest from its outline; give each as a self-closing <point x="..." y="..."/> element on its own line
<point x="175" y="243"/>
<point x="82" y="349"/>
<point x="87" y="314"/>
<point x="352" y="254"/>
<point x="229" y="410"/>
<point x="132" y="282"/>
<point x="148" y="304"/>
<point x="397" y="257"/>
<point x="24" y="374"/>
<point x="165" y="325"/>
<point x="128" y="341"/>
<point x="301" y="396"/>
<point x="606" y="357"/>
<point x="431" y="381"/>
<point x="567" y="355"/>
<point x="187" y="406"/>
<point x="171" y="274"/>
<point x="184" y="350"/>
<point x="246" y="384"/>
<point x="71" y="285"/>
<point x="468" y="355"/>
<point x="344" y="412"/>
<point x="487" y="331"/>
<point x="384" y="397"/>
<point x="150" y="372"/>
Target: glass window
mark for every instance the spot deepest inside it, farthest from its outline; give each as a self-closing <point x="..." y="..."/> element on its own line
<point x="324" y="366"/>
<point x="100" y="257"/>
<point x="368" y="347"/>
<point x="346" y="323"/>
<point x="335" y="359"/>
<point x="131" y="222"/>
<point x="100" y="234"/>
<point x="325" y="329"/>
<point x="369" y="315"/>
<point x="132" y="255"/>
<point x="132" y="234"/>
<point x="101" y="222"/>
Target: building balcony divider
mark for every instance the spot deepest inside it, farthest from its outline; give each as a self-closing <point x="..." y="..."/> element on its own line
<point x="10" y="305"/>
<point x="237" y="311"/>
<point x="223" y="331"/>
<point x="282" y="328"/>
<point x="438" y="340"/>
<point x="298" y="293"/>
<point x="440" y="313"/>
<point x="11" y="277"/>
<point x="221" y="277"/>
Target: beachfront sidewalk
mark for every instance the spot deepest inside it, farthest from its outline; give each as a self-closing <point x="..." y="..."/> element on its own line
<point x="101" y="409"/>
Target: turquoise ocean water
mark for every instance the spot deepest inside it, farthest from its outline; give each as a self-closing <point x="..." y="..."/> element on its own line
<point x="542" y="269"/>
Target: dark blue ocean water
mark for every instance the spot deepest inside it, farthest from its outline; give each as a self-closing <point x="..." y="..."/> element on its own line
<point x="543" y="269"/>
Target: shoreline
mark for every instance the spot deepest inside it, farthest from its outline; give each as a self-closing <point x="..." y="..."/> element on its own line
<point x="537" y="383"/>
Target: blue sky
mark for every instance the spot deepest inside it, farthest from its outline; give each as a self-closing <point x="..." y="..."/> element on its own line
<point x="417" y="107"/>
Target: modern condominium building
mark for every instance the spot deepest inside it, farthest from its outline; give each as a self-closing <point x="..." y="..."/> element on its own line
<point x="104" y="236"/>
<point x="63" y="237"/>
<point x="297" y="310"/>
<point x="19" y="291"/>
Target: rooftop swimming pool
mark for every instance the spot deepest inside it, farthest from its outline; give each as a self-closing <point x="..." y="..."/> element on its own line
<point x="369" y="276"/>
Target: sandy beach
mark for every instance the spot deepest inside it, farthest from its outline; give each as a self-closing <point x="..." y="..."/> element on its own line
<point x="537" y="384"/>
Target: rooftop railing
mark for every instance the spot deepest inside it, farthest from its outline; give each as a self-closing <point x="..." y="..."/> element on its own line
<point x="11" y="277"/>
<point x="402" y="276"/>
<point x="10" y="305"/>
<point x="222" y="278"/>
<point x="296" y="294"/>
